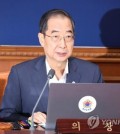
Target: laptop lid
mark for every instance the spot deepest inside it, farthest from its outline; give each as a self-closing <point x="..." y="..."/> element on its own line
<point x="67" y="100"/>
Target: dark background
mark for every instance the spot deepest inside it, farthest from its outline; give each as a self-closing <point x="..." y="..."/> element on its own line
<point x="97" y="21"/>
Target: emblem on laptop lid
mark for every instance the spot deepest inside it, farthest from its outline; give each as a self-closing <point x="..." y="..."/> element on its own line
<point x="87" y="104"/>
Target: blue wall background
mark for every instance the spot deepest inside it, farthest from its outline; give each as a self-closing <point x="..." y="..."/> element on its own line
<point x="97" y="21"/>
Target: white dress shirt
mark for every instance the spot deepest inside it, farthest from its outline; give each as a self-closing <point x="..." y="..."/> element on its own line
<point x="54" y="79"/>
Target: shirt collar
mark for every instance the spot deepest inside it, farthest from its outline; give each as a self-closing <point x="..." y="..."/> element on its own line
<point x="48" y="68"/>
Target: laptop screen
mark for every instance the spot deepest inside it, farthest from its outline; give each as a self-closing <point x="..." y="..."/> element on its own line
<point x="81" y="101"/>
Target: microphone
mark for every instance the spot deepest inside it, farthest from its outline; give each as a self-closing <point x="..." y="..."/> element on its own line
<point x="49" y="76"/>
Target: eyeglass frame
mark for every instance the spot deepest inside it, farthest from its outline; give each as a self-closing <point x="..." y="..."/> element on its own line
<point x="60" y="37"/>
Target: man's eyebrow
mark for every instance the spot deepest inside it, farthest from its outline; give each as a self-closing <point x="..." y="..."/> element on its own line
<point x="55" y="31"/>
<point x="69" y="31"/>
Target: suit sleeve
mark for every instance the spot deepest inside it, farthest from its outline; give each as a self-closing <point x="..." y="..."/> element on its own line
<point x="11" y="108"/>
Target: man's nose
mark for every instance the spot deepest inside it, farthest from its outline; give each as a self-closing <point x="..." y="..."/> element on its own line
<point x="62" y="42"/>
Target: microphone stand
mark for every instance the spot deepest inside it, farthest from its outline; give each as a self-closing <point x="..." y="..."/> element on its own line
<point x="32" y="121"/>
<point x="50" y="76"/>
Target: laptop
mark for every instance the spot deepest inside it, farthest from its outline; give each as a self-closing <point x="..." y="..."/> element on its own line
<point x="81" y="101"/>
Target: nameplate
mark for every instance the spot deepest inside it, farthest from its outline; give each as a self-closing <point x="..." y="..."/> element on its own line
<point x="88" y="126"/>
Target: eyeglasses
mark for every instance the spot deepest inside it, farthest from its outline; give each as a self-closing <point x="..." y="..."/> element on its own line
<point x="56" y="38"/>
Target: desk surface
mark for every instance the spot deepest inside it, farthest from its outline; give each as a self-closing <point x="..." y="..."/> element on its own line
<point x="41" y="132"/>
<point x="25" y="132"/>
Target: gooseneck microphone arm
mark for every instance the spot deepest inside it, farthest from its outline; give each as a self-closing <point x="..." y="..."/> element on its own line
<point x="50" y="76"/>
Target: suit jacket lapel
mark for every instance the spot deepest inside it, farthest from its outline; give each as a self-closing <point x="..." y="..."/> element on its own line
<point x="41" y="71"/>
<point x="41" y="75"/>
<point x="73" y="76"/>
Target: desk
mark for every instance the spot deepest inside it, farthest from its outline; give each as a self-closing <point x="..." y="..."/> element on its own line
<point x="42" y="132"/>
<point x="6" y="128"/>
<point x="39" y="131"/>
<point x="25" y="132"/>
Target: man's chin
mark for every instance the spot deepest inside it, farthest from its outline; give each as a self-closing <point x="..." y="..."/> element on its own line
<point x="61" y="59"/>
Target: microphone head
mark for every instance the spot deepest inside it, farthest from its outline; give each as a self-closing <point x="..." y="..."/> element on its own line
<point x="51" y="73"/>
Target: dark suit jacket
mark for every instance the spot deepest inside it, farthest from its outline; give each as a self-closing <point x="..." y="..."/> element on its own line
<point x="27" y="79"/>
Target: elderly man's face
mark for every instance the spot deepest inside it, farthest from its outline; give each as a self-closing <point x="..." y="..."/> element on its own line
<point x="58" y="40"/>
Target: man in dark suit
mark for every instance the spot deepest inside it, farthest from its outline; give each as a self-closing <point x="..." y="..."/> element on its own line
<point x="27" y="79"/>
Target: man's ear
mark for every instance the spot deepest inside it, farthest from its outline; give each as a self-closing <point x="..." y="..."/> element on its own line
<point x="41" y="39"/>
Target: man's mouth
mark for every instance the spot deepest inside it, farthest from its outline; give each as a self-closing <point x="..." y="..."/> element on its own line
<point x="62" y="54"/>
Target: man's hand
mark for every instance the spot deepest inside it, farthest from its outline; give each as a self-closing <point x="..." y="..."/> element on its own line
<point x="39" y="117"/>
